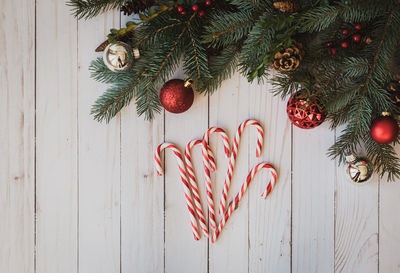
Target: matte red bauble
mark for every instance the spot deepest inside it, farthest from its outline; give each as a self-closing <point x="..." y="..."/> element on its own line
<point x="177" y="96"/>
<point x="384" y="129"/>
<point x="304" y="112"/>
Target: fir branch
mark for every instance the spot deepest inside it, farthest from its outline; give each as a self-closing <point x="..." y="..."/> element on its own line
<point x="114" y="99"/>
<point x="170" y="52"/>
<point x="89" y="8"/>
<point x="137" y="44"/>
<point x="196" y="57"/>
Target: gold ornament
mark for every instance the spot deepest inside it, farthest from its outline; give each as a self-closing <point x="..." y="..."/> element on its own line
<point x="359" y="169"/>
<point x="287" y="6"/>
<point x="116" y="56"/>
<point x="288" y="59"/>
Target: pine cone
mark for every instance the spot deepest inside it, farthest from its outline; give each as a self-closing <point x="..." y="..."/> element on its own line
<point x="288" y="59"/>
<point x="287" y="6"/>
<point x="136" y="6"/>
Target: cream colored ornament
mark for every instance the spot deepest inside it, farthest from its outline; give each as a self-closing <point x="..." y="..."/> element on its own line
<point x="359" y="170"/>
<point x="116" y="56"/>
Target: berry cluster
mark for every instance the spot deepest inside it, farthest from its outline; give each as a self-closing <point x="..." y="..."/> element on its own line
<point x="198" y="7"/>
<point x="348" y="38"/>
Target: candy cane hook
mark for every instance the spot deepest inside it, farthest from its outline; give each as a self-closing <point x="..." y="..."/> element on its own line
<point x="186" y="187"/>
<point x="193" y="182"/>
<point x="235" y="203"/>
<point x="232" y="159"/>
<point x="207" y="168"/>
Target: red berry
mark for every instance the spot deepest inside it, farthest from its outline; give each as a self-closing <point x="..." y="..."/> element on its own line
<point x="345" y="31"/>
<point x="208" y="2"/>
<point x="179" y="8"/>
<point x="328" y="44"/>
<point x="344" y="44"/>
<point x="195" y="7"/>
<point x="356" y="38"/>
<point x="183" y="12"/>
<point x="202" y="13"/>
<point x="357" y="27"/>
<point x="333" y="51"/>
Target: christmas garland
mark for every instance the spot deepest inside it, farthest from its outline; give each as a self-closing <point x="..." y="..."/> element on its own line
<point x="337" y="60"/>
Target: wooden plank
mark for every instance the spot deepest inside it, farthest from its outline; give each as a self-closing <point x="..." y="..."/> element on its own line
<point x="228" y="108"/>
<point x="142" y="193"/>
<point x="313" y="200"/>
<point x="182" y="252"/>
<point x="56" y="121"/>
<point x="356" y="226"/>
<point x="270" y="220"/>
<point x="99" y="161"/>
<point x="389" y="226"/>
<point x="17" y="140"/>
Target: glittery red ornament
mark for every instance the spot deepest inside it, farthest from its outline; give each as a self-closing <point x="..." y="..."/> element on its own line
<point x="177" y="96"/>
<point x="384" y="129"/>
<point x="304" y="112"/>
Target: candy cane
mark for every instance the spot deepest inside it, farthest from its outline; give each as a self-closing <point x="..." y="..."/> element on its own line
<point x="186" y="187"/>
<point x="193" y="182"/>
<point x="207" y="168"/>
<point x="232" y="160"/>
<point x="235" y="203"/>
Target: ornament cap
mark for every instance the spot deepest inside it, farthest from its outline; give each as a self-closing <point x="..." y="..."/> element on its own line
<point x="188" y="83"/>
<point x="385" y="114"/>
<point x="351" y="158"/>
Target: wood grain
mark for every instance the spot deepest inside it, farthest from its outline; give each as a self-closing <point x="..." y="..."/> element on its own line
<point x="99" y="162"/>
<point x="356" y="227"/>
<point x="17" y="136"/>
<point x="270" y="220"/>
<point x="313" y="200"/>
<point x="142" y="193"/>
<point x="56" y="138"/>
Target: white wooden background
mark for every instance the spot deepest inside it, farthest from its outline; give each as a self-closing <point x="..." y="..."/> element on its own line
<point x="79" y="196"/>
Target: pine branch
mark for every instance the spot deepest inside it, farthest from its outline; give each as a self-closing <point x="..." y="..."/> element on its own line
<point x="90" y="8"/>
<point x="222" y="67"/>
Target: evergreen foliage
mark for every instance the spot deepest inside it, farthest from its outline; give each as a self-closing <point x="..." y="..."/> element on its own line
<point x="245" y="35"/>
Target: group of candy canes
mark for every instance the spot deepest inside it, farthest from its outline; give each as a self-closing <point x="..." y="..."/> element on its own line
<point x="191" y="189"/>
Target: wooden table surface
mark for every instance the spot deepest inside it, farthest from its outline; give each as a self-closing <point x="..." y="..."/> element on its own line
<point x="77" y="196"/>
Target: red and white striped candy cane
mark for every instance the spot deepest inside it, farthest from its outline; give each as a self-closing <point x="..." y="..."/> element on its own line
<point x="186" y="186"/>
<point x="232" y="159"/>
<point x="207" y="168"/>
<point x="235" y="203"/>
<point x="193" y="182"/>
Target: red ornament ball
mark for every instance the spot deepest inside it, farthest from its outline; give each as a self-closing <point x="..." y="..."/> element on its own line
<point x="179" y="8"/>
<point x="344" y="44"/>
<point x="345" y="31"/>
<point x="175" y="97"/>
<point x="304" y="111"/>
<point x="357" y="27"/>
<point x="208" y="2"/>
<point x="195" y="7"/>
<point x="333" y="51"/>
<point x="356" y="38"/>
<point x="384" y="130"/>
<point x="328" y="44"/>
<point x="183" y="12"/>
<point x="202" y="13"/>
